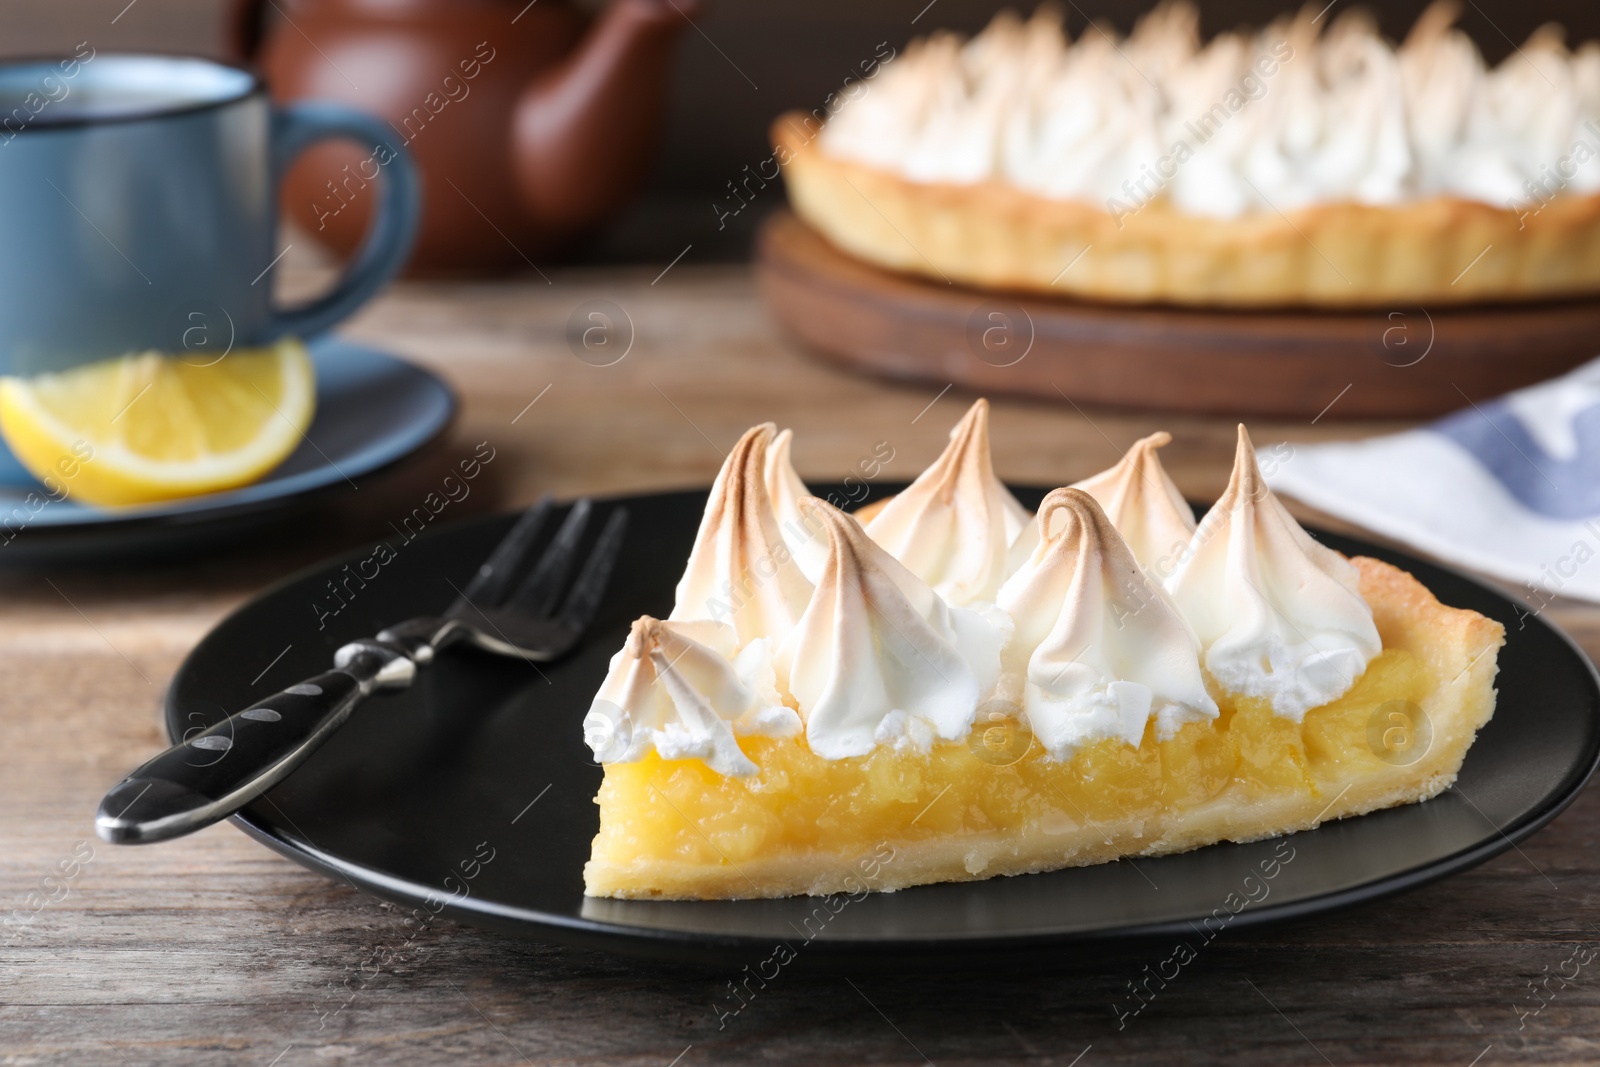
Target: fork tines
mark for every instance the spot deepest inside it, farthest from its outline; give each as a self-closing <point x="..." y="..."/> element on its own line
<point x="537" y="594"/>
<point x="590" y="586"/>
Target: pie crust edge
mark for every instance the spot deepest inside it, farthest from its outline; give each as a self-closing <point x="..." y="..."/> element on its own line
<point x="1443" y="250"/>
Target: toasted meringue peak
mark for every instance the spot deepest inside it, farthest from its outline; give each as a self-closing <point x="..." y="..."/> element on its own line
<point x="1304" y="111"/>
<point x="679" y="688"/>
<point x="805" y="539"/>
<point x="1278" y="615"/>
<point x="878" y="656"/>
<point x="1143" y="504"/>
<point x="954" y="525"/>
<point x="741" y="571"/>
<point x="1103" y="648"/>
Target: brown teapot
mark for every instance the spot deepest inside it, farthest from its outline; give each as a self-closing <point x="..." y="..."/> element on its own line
<point x="529" y="124"/>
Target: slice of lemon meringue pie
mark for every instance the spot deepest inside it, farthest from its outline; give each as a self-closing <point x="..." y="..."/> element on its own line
<point x="957" y="690"/>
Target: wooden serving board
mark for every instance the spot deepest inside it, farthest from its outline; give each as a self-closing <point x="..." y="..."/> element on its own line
<point x="1385" y="363"/>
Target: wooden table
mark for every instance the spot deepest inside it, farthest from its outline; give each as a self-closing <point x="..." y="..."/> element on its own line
<point x="212" y="950"/>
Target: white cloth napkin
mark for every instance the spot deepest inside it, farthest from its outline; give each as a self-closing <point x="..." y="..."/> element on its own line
<point x="1509" y="487"/>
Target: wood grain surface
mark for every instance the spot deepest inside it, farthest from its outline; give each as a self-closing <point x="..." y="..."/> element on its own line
<point x="212" y="950"/>
<point x="1395" y="361"/>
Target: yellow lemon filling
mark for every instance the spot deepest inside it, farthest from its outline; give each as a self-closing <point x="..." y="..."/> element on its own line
<point x="683" y="812"/>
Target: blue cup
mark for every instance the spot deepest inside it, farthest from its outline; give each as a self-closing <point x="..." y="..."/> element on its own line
<point x="141" y="195"/>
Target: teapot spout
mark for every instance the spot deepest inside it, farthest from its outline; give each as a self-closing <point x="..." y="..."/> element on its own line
<point x="584" y="131"/>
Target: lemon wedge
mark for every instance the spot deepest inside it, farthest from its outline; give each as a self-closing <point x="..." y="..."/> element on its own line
<point x="150" y="427"/>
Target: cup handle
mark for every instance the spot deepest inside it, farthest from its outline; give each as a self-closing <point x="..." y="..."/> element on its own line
<point x="388" y="241"/>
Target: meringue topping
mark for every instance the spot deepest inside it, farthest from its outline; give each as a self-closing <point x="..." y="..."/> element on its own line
<point x="741" y="571"/>
<point x="680" y="689"/>
<point x="1143" y="504"/>
<point x="1103" y="647"/>
<point x="1082" y="635"/>
<point x="1302" y="112"/>
<point x="878" y="656"/>
<point x="955" y="524"/>
<point x="1278" y="615"/>
<point x="804" y="537"/>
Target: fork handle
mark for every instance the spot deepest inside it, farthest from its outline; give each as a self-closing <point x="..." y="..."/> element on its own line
<point x="213" y="773"/>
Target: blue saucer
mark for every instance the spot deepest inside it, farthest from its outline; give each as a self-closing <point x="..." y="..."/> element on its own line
<point x="373" y="410"/>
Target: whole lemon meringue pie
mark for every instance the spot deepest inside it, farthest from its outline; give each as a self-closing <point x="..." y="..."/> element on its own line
<point x="957" y="690"/>
<point x="1303" y="164"/>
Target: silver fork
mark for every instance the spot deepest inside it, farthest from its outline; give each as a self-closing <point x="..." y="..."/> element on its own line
<point x="214" y="773"/>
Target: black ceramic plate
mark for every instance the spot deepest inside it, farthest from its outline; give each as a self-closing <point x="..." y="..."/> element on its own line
<point x="373" y="410"/>
<point x="473" y="792"/>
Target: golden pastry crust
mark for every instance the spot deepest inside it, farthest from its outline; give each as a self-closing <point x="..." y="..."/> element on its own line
<point x="1457" y="646"/>
<point x="994" y="236"/>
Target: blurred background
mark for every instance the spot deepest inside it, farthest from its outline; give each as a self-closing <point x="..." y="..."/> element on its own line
<point x="748" y="62"/>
